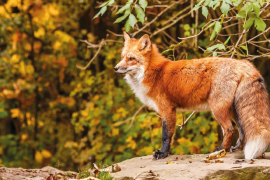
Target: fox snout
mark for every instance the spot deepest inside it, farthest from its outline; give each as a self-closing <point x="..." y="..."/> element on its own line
<point x="120" y="70"/>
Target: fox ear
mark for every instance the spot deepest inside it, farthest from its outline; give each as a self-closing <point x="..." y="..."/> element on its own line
<point x="144" y="43"/>
<point x="126" y="37"/>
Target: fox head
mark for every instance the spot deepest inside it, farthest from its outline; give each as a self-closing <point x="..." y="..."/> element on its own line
<point x="135" y="55"/>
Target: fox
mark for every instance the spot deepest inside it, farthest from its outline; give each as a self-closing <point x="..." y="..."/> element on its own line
<point x="233" y="90"/>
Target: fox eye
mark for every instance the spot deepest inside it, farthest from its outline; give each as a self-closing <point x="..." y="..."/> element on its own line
<point x="131" y="59"/>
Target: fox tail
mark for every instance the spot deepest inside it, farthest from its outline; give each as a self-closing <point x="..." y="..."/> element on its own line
<point x="252" y="107"/>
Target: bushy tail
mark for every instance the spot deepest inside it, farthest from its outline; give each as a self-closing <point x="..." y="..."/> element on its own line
<point x="252" y="107"/>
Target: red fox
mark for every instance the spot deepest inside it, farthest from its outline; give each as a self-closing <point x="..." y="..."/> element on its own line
<point x="232" y="89"/>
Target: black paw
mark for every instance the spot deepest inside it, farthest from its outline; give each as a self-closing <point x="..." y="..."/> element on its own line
<point x="218" y="149"/>
<point x="159" y="155"/>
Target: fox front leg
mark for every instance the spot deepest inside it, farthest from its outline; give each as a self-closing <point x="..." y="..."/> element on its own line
<point x="168" y="128"/>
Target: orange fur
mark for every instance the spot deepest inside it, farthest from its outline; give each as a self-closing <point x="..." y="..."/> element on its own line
<point x="229" y="88"/>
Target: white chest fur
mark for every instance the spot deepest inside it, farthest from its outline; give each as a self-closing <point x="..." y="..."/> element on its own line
<point x="140" y="90"/>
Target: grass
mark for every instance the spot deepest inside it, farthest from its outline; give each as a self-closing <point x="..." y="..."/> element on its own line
<point x="101" y="175"/>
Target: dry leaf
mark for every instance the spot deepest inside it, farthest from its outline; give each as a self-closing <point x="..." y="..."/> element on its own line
<point x="169" y="162"/>
<point x="219" y="161"/>
<point x="217" y="154"/>
<point x="116" y="168"/>
<point x="251" y="161"/>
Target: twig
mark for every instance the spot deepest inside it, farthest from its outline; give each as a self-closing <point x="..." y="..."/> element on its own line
<point x="255" y="36"/>
<point x="171" y="19"/>
<point x="181" y="126"/>
<point x="169" y="37"/>
<point x="238" y="42"/>
<point x="148" y="24"/>
<point x="175" y="21"/>
<point x="258" y="46"/>
<point x="103" y="42"/>
<point x="133" y="117"/>
<point x="119" y="35"/>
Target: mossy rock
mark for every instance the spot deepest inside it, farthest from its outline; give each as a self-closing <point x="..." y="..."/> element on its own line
<point x="254" y="173"/>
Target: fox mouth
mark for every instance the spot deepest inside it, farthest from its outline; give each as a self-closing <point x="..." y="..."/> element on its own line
<point x="123" y="71"/>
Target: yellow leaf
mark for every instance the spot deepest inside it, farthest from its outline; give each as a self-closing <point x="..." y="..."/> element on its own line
<point x="22" y="68"/>
<point x="46" y="154"/>
<point x="129" y="139"/>
<point x="40" y="32"/>
<point x="24" y="137"/>
<point x="169" y="162"/>
<point x="15" y="112"/>
<point x="53" y="9"/>
<point x="57" y="45"/>
<point x="30" y="69"/>
<point x="115" y="131"/>
<point x="64" y="37"/>
<point x="69" y="101"/>
<point x="15" y="59"/>
<point x="38" y="157"/>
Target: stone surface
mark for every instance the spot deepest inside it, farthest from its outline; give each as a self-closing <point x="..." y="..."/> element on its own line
<point x="187" y="167"/>
<point x="180" y="167"/>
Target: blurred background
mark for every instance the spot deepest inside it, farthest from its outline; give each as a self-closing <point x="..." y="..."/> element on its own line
<point x="54" y="112"/>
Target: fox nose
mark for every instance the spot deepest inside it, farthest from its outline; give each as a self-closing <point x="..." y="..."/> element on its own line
<point x="116" y="68"/>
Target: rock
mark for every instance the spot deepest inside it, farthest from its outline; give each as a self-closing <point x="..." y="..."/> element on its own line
<point x="184" y="170"/>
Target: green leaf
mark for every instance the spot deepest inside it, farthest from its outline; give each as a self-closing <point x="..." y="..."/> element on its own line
<point x="3" y="114"/>
<point x="103" y="4"/>
<point x="210" y="25"/>
<point x="213" y="35"/>
<point x="217" y="27"/>
<point x="142" y="117"/>
<point x="132" y="20"/>
<point x="244" y="47"/>
<point x="121" y="18"/>
<point x="111" y="2"/>
<point x="225" y="8"/>
<point x="212" y="3"/>
<point x="227" y="40"/>
<point x="127" y="26"/>
<point x="122" y="9"/>
<point x="218" y="46"/>
<point x="96" y="15"/>
<point x="207" y="2"/>
<point x="140" y="13"/>
<point x="201" y="25"/>
<point x="222" y="19"/>
<point x="216" y="5"/>
<point x="103" y="10"/>
<point x="186" y="27"/>
<point x="196" y="7"/>
<point x="215" y="54"/>
<point x="205" y="11"/>
<point x="143" y="4"/>
<point x="256" y="8"/>
<point x="260" y="24"/>
<point x="249" y="23"/>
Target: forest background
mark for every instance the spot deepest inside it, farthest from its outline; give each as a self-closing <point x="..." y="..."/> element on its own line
<point x="62" y="104"/>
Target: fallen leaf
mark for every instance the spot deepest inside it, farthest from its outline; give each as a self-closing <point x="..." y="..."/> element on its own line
<point x="219" y="161"/>
<point x="169" y="162"/>
<point x="251" y="161"/>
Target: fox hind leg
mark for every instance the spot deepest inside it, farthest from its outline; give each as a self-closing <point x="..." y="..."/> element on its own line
<point x="240" y="141"/>
<point x="227" y="128"/>
<point x="220" y="105"/>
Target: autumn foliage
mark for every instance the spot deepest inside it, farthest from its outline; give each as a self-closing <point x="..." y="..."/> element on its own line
<point x="53" y="113"/>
